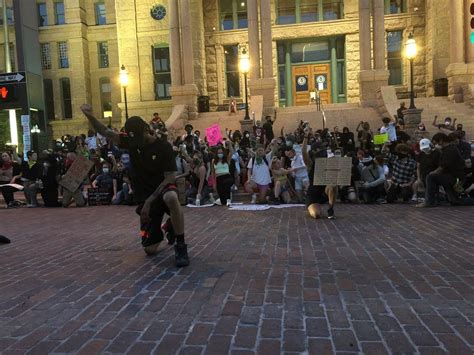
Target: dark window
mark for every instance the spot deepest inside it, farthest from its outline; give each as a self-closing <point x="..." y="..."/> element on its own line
<point x="309" y="52"/>
<point x="106" y="97"/>
<point x="103" y="51"/>
<point x="232" y="70"/>
<point x="63" y="55"/>
<point x="42" y="15"/>
<point x="100" y="14"/>
<point x="308" y="10"/>
<point x="395" y="6"/>
<point x="49" y="98"/>
<point x="291" y="11"/>
<point x="66" y="97"/>
<point x="162" y="72"/>
<point x="282" y="82"/>
<point x="394" y="57"/>
<point x="332" y="10"/>
<point x="59" y="14"/>
<point x="233" y="14"/>
<point x="286" y="12"/>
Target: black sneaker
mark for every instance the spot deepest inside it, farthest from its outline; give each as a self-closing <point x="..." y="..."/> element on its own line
<point x="331" y="214"/>
<point x="181" y="255"/>
<point x="169" y="231"/>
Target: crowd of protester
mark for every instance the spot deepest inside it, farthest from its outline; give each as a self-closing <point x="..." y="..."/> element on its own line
<point x="273" y="169"/>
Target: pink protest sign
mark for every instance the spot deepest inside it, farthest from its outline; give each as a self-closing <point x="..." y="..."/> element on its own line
<point x="213" y="135"/>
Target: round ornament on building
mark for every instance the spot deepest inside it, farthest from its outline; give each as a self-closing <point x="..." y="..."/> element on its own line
<point x="158" y="12"/>
<point x="302" y="80"/>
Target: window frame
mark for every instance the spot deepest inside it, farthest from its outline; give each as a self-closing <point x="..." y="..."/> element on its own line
<point x="157" y="74"/>
<point x="232" y="72"/>
<point x="297" y="14"/>
<point x="57" y="15"/>
<point x="98" y="15"/>
<point x="40" y="17"/>
<point x="103" y="81"/>
<point x="103" y="58"/>
<point x="237" y="15"/>
<point x="66" y="107"/>
<point x="46" y="56"/>
<point x="61" y="66"/>
<point x="398" y="58"/>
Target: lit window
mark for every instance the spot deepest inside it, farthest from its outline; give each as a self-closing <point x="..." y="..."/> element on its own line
<point x="233" y="14"/>
<point x="106" y="97"/>
<point x="394" y="57"/>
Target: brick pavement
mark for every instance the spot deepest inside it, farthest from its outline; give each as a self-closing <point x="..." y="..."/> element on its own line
<point x="379" y="279"/>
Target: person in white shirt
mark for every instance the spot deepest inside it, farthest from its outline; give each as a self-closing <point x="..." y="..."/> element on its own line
<point x="300" y="172"/>
<point x="390" y="128"/>
<point x="259" y="178"/>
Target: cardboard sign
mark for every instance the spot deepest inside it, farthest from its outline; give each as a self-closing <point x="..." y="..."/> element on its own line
<point x="214" y="135"/>
<point x="380" y="139"/>
<point x="15" y="186"/>
<point x="76" y="173"/>
<point x="332" y="172"/>
<point x="98" y="197"/>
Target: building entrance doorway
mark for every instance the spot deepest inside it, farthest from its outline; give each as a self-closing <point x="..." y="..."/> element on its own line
<point x="308" y="78"/>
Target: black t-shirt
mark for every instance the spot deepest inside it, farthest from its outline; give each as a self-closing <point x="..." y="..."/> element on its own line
<point x="428" y="163"/>
<point x="451" y="161"/>
<point x="148" y="167"/>
<point x="268" y="127"/>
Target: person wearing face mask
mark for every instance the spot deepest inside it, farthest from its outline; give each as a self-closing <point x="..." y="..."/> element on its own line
<point x="427" y="161"/>
<point x="106" y="182"/>
<point x="220" y="170"/>
<point x="153" y="175"/>
<point x="403" y="173"/>
<point x="372" y="187"/>
<point x="245" y="141"/>
<point x="199" y="192"/>
<point x="448" y="125"/>
<point x="347" y="141"/>
<point x="259" y="177"/>
<point x="300" y="173"/>
<point x="449" y="172"/>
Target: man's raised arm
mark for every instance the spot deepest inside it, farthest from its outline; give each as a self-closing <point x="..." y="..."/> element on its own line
<point x="99" y="126"/>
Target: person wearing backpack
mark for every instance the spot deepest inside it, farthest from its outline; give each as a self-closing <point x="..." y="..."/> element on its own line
<point x="259" y="177"/>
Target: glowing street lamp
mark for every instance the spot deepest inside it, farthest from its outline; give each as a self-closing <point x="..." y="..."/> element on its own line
<point x="124" y="84"/>
<point x="244" y="68"/>
<point x="410" y="54"/>
<point x="35" y="130"/>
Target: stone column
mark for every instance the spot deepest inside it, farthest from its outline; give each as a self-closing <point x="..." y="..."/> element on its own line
<point x="457" y="37"/>
<point x="469" y="47"/>
<point x="365" y="47"/>
<point x="379" y="34"/>
<point x="266" y="36"/>
<point x="254" y="51"/>
<point x="175" y="44"/>
<point x="187" y="48"/>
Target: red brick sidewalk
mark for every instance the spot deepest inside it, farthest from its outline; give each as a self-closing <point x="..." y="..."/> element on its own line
<point x="377" y="279"/>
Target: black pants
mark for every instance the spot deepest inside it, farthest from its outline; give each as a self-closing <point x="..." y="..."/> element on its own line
<point x="8" y="193"/>
<point x="395" y="191"/>
<point x="434" y="181"/>
<point x="372" y="194"/>
<point x="223" y="185"/>
<point x="49" y="195"/>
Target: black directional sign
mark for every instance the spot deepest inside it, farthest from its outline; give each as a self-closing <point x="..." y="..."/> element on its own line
<point x="12" y="90"/>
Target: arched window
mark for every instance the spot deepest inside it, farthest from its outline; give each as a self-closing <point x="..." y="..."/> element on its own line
<point x="105" y="97"/>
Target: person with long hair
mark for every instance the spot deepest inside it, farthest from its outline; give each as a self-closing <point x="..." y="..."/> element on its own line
<point x="220" y="170"/>
<point x="10" y="172"/>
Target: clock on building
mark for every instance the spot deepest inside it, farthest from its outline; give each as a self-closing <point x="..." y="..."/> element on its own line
<point x="158" y="12"/>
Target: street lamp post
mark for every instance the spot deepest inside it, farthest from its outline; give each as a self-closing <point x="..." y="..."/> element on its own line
<point x="410" y="53"/>
<point x="124" y="84"/>
<point x="244" y="66"/>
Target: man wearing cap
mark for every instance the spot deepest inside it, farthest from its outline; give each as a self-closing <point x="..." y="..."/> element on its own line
<point x="403" y="173"/>
<point x="153" y="177"/>
<point x="427" y="161"/>
<point x="373" y="180"/>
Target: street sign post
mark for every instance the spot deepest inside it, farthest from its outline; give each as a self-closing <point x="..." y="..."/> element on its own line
<point x="13" y="78"/>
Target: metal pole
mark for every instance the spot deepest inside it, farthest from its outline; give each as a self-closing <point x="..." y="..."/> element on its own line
<point x="6" y="40"/>
<point x="412" y="93"/>
<point x="126" y="103"/>
<point x="247" y="117"/>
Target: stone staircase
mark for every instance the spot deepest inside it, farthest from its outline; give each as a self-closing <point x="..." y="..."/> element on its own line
<point x="442" y="107"/>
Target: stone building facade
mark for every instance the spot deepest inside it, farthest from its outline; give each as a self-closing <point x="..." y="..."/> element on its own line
<point x="177" y="50"/>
